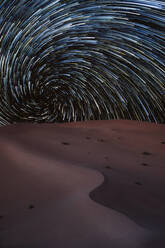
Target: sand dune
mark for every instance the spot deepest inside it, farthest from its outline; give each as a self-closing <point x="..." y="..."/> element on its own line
<point x="87" y="184"/>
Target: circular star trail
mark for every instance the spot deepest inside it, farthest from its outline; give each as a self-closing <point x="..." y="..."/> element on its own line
<point x="63" y="61"/>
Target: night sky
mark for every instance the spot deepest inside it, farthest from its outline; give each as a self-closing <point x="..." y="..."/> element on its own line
<point x="64" y="60"/>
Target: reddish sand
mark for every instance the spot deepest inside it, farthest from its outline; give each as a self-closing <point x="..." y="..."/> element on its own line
<point x="97" y="184"/>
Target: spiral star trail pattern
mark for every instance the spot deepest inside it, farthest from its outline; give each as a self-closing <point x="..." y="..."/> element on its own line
<point x="82" y="60"/>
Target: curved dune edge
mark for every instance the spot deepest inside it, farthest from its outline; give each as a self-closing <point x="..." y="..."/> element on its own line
<point x="68" y="189"/>
<point x="63" y="214"/>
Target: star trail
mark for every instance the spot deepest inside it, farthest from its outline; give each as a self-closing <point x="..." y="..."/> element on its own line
<point x="63" y="61"/>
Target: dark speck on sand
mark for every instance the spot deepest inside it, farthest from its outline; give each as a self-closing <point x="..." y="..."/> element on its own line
<point x="146" y="153"/>
<point x="65" y="143"/>
<point x="138" y="183"/>
<point x="100" y="140"/>
<point x="144" y="164"/>
<point x="31" y="206"/>
<point x="108" y="167"/>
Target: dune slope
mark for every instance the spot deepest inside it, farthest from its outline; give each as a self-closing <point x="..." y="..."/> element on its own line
<point x="90" y="184"/>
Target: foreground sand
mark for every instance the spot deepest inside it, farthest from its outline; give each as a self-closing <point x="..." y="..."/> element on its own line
<point x="90" y="184"/>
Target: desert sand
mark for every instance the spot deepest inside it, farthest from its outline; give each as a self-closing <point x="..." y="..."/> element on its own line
<point x="95" y="184"/>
